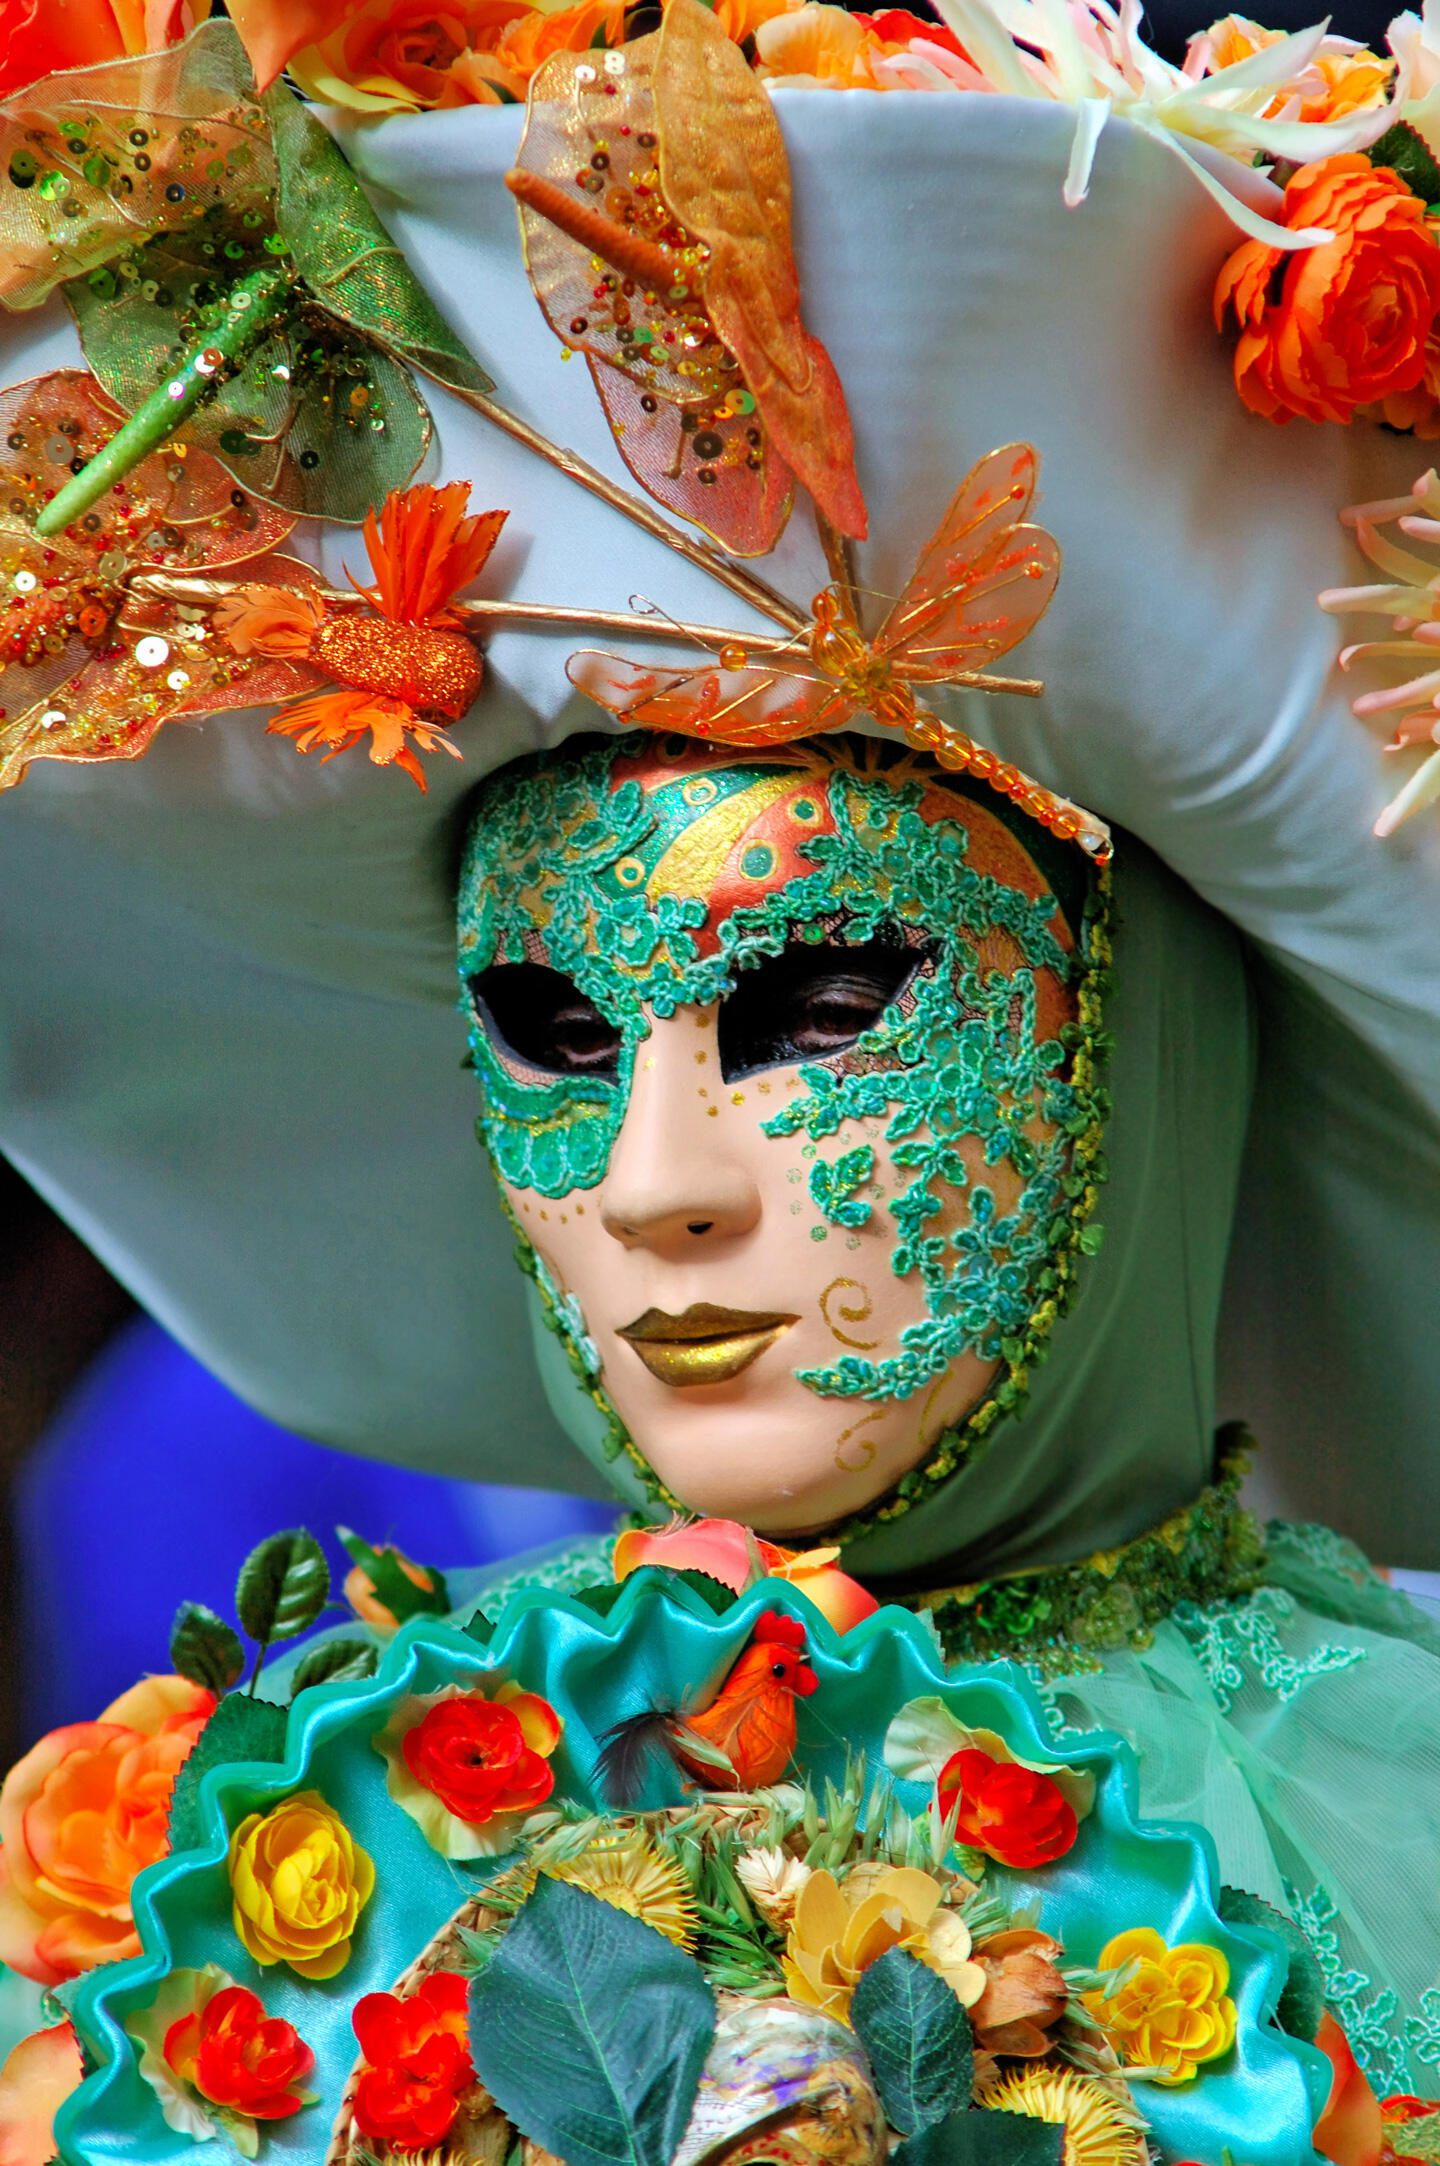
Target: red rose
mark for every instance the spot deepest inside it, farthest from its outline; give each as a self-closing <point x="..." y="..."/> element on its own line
<point x="1014" y="1814"/>
<point x="237" y="2056"/>
<point x="417" y="2062"/>
<point x="472" y="1753"/>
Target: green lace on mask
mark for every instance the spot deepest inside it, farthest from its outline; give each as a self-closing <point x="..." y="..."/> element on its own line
<point x="559" y="871"/>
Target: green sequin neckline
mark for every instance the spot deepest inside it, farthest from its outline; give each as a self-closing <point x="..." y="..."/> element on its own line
<point x="1062" y="1618"/>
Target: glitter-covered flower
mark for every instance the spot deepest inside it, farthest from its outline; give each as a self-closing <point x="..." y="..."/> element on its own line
<point x="399" y="663"/>
<point x="417" y="2062"/>
<point x="840" y="1929"/>
<point x="299" y="1882"/>
<point x="628" y="1872"/>
<point x="464" y="1764"/>
<point x="1099" y="2130"/>
<point x="216" y="2061"/>
<point x="1344" y="325"/>
<point x="1171" y="2011"/>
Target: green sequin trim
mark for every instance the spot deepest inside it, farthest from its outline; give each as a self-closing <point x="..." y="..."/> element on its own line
<point x="1060" y="1620"/>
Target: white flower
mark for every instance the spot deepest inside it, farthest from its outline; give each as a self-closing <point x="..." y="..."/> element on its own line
<point x="773" y="1880"/>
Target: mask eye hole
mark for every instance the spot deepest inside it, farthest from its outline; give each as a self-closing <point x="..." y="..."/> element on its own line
<point x="539" y="1020"/>
<point x="811" y="1001"/>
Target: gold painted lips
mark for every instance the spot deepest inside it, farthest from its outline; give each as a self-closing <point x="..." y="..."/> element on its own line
<point x="707" y="1345"/>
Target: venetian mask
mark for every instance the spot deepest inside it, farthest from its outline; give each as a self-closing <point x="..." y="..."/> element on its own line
<point x="788" y="1072"/>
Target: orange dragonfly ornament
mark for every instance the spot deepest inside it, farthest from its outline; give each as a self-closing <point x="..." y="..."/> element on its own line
<point x="983" y="581"/>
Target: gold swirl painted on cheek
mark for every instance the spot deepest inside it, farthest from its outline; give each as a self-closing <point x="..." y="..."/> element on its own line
<point x="923" y="1438"/>
<point x="850" y="1313"/>
<point x="864" y="1446"/>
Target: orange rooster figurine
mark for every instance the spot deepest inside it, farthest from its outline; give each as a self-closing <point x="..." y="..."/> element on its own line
<point x="742" y="1740"/>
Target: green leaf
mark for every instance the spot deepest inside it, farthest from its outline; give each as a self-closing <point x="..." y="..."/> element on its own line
<point x="335" y="1662"/>
<point x="1407" y="153"/>
<point x="713" y="1591"/>
<point x="282" y="1586"/>
<point x="205" y="1649"/>
<point x="239" y="1729"/>
<point x="393" y="1584"/>
<point x="986" y="2138"/>
<point x="601" y="1599"/>
<point x="917" y="2037"/>
<point x="1302" y="1998"/>
<point x="616" y="2022"/>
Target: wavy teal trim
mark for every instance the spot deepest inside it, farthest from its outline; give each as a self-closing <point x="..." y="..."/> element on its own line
<point x="658" y="1640"/>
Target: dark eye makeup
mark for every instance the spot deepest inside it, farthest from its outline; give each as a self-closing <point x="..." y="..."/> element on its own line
<point x="806" y="1003"/>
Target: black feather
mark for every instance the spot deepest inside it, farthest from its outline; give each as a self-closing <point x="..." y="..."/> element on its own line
<point x="629" y="1750"/>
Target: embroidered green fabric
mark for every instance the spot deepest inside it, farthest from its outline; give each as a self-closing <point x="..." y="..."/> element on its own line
<point x="568" y="866"/>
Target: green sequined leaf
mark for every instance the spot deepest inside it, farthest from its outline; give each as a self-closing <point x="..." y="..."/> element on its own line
<point x="345" y="255"/>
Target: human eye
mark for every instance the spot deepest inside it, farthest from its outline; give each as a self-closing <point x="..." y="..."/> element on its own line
<point x="540" y="1019"/>
<point x="811" y="1001"/>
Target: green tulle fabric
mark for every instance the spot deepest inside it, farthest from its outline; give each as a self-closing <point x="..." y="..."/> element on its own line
<point x="1299" y="1725"/>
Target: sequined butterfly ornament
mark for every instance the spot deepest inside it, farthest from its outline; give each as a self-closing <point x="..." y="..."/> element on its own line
<point x="983" y="581"/>
<point x="396" y="652"/>
<point x="654" y="198"/>
<point x="226" y="272"/>
<point x="90" y="667"/>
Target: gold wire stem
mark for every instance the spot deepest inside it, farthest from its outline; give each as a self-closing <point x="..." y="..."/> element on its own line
<point x="745" y="584"/>
<point x="178" y="587"/>
<point x="840" y="558"/>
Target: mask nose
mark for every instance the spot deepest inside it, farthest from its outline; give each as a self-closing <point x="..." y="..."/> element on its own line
<point x="676" y="1180"/>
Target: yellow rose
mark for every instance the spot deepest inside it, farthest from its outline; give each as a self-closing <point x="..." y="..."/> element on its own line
<point x="1172" y="2012"/>
<point x="300" y="1882"/>
<point x="838" y="1931"/>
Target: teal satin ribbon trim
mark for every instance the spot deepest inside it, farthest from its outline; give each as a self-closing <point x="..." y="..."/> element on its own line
<point x="662" y="1644"/>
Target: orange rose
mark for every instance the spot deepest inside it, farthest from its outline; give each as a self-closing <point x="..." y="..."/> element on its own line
<point x="38" y="37"/>
<point x="80" y="1816"/>
<point x="1325" y="331"/>
<point x="1342" y="78"/>
<point x="383" y="56"/>
<point x="818" y="44"/>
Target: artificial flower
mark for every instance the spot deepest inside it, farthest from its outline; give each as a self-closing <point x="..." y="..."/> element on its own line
<point x="773" y="1879"/>
<point x="1025" y="1994"/>
<point x="359" y="1590"/>
<point x="751" y="1720"/>
<point x="1397" y="2112"/>
<point x="1014" y="1814"/>
<point x="1411" y="596"/>
<point x="840" y="1929"/>
<point x="722" y="1549"/>
<point x="398" y="663"/>
<point x="299" y="1882"/>
<point x="1099" y="2130"/>
<point x="215" y="2060"/>
<point x="1346" y="324"/>
<point x="38" y="2076"/>
<point x="1350" y="2130"/>
<point x="1342" y="78"/>
<point x="924" y="1743"/>
<point x="740" y="19"/>
<point x="80" y="1816"/>
<point x="417" y="2062"/>
<point x="817" y="46"/>
<point x="385" y="56"/>
<point x="463" y="1764"/>
<point x="628" y="1872"/>
<point x="1172" y="2012"/>
<point x="40" y="37"/>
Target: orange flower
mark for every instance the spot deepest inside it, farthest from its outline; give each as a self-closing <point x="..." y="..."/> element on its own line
<point x="405" y="55"/>
<point x="40" y="37"/>
<point x="1326" y="331"/>
<point x="818" y="44"/>
<point x="724" y="1550"/>
<point x="401" y="661"/>
<point x="80" y="1816"/>
<point x="361" y="1594"/>
<point x="1013" y="1813"/>
<point x="1350" y="2129"/>
<point x="35" y="2082"/>
<point x="1342" y="78"/>
<point x="1024" y="1993"/>
<point x="740" y="19"/>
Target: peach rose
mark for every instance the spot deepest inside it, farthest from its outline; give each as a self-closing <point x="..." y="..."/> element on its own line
<point x="386" y="56"/>
<point x="724" y="1550"/>
<point x="35" y="2082"/>
<point x="80" y="1816"/>
<point x="1343" y="78"/>
<point x="1326" y="331"/>
<point x="39" y="37"/>
<point x="818" y="46"/>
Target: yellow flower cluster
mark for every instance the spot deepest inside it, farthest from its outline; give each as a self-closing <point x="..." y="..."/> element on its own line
<point x="299" y="1882"/>
<point x="840" y="1929"/>
<point x="1172" y="2012"/>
